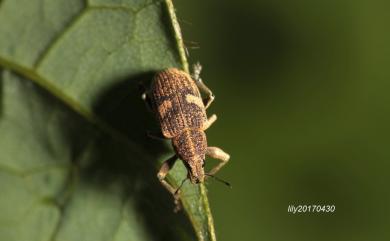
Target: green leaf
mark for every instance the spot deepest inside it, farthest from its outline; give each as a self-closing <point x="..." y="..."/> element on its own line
<point x="75" y="163"/>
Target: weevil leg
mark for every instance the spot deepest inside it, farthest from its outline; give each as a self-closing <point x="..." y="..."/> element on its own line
<point x="147" y="100"/>
<point x="219" y="154"/>
<point x="197" y="68"/>
<point x="162" y="173"/>
<point x="146" y="96"/>
<point x="156" y="135"/>
<point x="210" y="121"/>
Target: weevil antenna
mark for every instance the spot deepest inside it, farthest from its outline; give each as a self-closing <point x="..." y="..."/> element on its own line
<point x="182" y="183"/>
<point x="219" y="179"/>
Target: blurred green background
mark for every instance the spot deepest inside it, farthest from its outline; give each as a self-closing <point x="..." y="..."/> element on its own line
<point x="302" y="94"/>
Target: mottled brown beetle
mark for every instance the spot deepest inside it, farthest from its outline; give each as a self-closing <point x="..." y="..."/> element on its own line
<point x="175" y="98"/>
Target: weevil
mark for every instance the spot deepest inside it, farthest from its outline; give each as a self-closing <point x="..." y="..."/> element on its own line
<point x="175" y="99"/>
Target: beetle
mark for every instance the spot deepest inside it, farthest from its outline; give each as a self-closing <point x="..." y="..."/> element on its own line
<point x="175" y="99"/>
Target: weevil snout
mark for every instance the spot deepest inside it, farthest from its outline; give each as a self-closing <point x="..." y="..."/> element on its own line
<point x="191" y="146"/>
<point x="196" y="171"/>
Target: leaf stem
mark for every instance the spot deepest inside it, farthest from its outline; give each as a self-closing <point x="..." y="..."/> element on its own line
<point x="178" y="35"/>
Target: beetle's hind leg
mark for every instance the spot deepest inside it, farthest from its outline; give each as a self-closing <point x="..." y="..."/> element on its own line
<point x="217" y="153"/>
<point x="197" y="68"/>
<point x="148" y="102"/>
<point x="146" y="96"/>
<point x="156" y="135"/>
<point x="162" y="173"/>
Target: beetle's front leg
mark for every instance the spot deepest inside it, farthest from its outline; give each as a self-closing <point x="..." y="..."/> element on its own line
<point x="219" y="154"/>
<point x="197" y="68"/>
<point x="162" y="173"/>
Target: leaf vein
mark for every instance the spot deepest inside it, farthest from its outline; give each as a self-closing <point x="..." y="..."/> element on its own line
<point x="58" y="38"/>
<point x="73" y="105"/>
